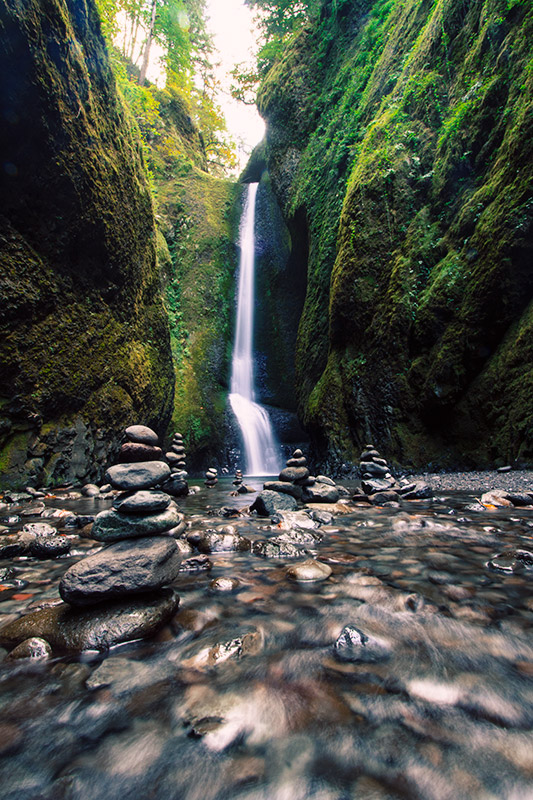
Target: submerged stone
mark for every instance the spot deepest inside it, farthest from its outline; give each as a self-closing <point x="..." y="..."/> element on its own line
<point x="222" y="542"/>
<point x="35" y="648"/>
<point x="354" y="645"/>
<point x="309" y="570"/>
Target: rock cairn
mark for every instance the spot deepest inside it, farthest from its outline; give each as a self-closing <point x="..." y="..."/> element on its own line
<point x="295" y="483"/>
<point x="141" y="556"/>
<point x="211" y="477"/>
<point x="177" y="484"/>
<point x="238" y="477"/>
<point x="379" y="487"/>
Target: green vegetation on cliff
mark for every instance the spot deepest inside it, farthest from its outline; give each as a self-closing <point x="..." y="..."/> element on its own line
<point x="400" y="134"/>
<point x="85" y="342"/>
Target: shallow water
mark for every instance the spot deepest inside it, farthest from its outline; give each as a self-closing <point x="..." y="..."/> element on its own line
<point x="244" y="696"/>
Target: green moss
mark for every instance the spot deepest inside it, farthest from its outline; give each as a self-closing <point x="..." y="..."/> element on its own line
<point x="414" y="169"/>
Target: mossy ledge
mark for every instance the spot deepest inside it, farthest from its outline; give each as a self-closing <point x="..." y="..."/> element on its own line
<point x="402" y="132"/>
<point x="85" y="344"/>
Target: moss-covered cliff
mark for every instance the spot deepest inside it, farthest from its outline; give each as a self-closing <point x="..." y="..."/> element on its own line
<point x="198" y="220"/>
<point x="84" y="337"/>
<point x="400" y="145"/>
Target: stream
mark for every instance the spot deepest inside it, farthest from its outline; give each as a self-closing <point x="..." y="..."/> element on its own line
<point x="245" y="693"/>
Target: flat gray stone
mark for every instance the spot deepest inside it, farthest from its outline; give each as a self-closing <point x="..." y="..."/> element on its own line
<point x="309" y="570"/>
<point x="142" y="502"/>
<point x="110" y="526"/>
<point x="142" y="475"/>
<point x="124" y="568"/>
<point x="70" y="629"/>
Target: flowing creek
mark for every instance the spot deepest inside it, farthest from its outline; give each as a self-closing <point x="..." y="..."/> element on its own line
<point x="243" y="694"/>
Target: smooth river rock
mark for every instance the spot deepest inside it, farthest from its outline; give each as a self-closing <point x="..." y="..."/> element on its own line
<point x="72" y="630"/>
<point x="110" y="526"/>
<point x="143" y="475"/>
<point x="309" y="570"/>
<point x="127" y="567"/>
<point x="294" y="474"/>
<point x="284" y="487"/>
<point x="142" y="502"/>
<point x="222" y="542"/>
<point x="142" y="434"/>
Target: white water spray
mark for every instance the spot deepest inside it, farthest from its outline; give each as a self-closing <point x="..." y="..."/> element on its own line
<point x="260" y="446"/>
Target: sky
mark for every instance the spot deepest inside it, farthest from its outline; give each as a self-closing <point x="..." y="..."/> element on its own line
<point x="231" y="23"/>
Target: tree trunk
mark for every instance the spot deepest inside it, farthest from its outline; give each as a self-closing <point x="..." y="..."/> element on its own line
<point x="147" y="45"/>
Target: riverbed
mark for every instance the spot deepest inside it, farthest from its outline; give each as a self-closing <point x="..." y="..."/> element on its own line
<point x="250" y="694"/>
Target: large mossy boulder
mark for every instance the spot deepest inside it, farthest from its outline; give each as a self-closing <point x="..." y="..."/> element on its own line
<point x="400" y="136"/>
<point x="84" y="338"/>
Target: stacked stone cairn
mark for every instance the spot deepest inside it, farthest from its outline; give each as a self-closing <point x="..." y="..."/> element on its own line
<point x="379" y="487"/>
<point x="140" y="554"/>
<point x="295" y="483"/>
<point x="177" y="484"/>
<point x="211" y="478"/>
<point x="238" y="477"/>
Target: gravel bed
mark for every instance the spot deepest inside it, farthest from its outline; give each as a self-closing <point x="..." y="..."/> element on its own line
<point x="515" y="480"/>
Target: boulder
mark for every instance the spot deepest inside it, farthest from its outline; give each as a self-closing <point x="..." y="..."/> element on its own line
<point x="285" y="488"/>
<point x="320" y="493"/>
<point x="294" y="474"/>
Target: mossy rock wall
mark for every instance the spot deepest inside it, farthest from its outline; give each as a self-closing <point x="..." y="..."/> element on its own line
<point x="198" y="221"/>
<point x="85" y="345"/>
<point x="400" y="133"/>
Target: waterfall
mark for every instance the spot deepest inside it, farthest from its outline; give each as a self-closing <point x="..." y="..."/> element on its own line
<point x="260" y="446"/>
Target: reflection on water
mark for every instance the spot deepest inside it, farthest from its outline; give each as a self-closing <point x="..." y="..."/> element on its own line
<point x="245" y="696"/>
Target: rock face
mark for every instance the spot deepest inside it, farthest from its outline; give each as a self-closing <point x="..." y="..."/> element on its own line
<point x="405" y="186"/>
<point x="85" y="341"/>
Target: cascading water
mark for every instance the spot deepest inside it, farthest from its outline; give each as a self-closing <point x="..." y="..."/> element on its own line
<point x="259" y="443"/>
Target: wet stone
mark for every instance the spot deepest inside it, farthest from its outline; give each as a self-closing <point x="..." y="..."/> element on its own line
<point x="142" y="502"/>
<point x="90" y="490"/>
<point x="309" y="570"/>
<point x="284" y="488"/>
<point x="354" y="645"/>
<point x="39" y="529"/>
<point x="142" y="475"/>
<point x="124" y="568"/>
<point x="49" y="546"/>
<point x="35" y="648"/>
<point x="220" y="542"/>
<point x="110" y="526"/>
<point x="196" y="564"/>
<point x="141" y="434"/>
<point x="377" y="485"/>
<point x="267" y="503"/>
<point x="294" y="474"/>
<point x="320" y="493"/>
<point x="274" y="548"/>
<point x="224" y="585"/>
<point x="72" y="630"/>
